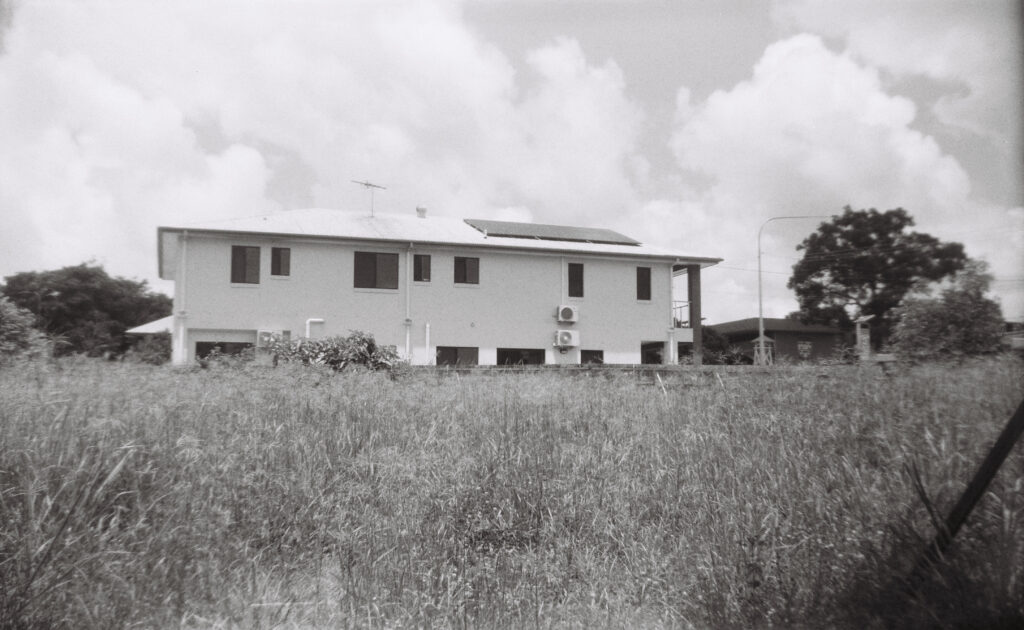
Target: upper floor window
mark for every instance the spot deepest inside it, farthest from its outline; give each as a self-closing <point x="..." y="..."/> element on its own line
<point x="467" y="270"/>
<point x="280" y="261"/>
<point x="376" y="271"/>
<point x="576" y="280"/>
<point x="421" y="267"/>
<point x="245" y="264"/>
<point x="643" y="283"/>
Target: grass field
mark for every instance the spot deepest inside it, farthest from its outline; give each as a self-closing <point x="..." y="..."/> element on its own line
<point x="133" y="496"/>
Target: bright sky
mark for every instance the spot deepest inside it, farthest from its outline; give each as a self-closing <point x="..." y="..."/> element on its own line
<point x="685" y="124"/>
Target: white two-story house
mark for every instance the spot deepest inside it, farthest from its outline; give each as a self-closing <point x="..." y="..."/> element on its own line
<point x="441" y="290"/>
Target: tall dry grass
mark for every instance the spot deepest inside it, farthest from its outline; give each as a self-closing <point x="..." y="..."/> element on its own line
<point x="135" y="496"/>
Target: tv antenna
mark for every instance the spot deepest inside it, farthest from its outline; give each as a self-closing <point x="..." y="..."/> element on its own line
<point x="369" y="186"/>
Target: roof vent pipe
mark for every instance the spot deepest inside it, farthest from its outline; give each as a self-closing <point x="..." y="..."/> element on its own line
<point x="421" y="212"/>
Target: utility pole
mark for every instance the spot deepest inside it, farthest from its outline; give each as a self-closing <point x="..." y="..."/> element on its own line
<point x="761" y="356"/>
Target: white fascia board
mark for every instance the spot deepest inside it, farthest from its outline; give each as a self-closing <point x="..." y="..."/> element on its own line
<point x="538" y="247"/>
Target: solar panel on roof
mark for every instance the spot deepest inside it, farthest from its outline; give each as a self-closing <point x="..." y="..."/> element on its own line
<point x="511" y="229"/>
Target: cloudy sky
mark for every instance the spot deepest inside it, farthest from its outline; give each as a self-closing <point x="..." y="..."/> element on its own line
<point x="685" y="124"/>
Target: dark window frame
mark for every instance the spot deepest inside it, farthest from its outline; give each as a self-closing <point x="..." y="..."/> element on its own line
<point x="643" y="284"/>
<point x="421" y="267"/>
<point x="281" y="261"/>
<point x="467" y="270"/>
<point x="245" y="264"/>
<point x="591" y="357"/>
<point x="375" y="270"/>
<point x="575" y="271"/>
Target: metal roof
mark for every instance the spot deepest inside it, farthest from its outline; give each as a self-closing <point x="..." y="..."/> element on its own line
<point x="162" y="325"/>
<point x="432" y="230"/>
<point x="509" y="229"/>
<point x="771" y="324"/>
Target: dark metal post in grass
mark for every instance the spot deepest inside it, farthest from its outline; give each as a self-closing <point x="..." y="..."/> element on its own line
<point x="975" y="490"/>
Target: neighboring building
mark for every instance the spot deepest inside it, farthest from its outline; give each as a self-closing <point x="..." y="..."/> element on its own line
<point x="440" y="290"/>
<point x="784" y="338"/>
<point x="162" y="325"/>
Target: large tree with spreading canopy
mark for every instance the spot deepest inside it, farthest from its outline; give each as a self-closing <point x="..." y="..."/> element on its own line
<point x="863" y="262"/>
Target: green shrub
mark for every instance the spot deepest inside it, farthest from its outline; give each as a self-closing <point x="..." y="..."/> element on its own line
<point x="18" y="336"/>
<point x="337" y="353"/>
<point x="953" y="321"/>
<point x="152" y="349"/>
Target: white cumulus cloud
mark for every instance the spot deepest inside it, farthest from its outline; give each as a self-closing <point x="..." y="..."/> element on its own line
<point x="812" y="131"/>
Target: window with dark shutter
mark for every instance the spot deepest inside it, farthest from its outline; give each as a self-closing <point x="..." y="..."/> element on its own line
<point x="245" y="264"/>
<point x="375" y="270"/>
<point x="576" y="280"/>
<point x="643" y="283"/>
<point x="467" y="270"/>
<point x="421" y="268"/>
<point x="280" y="261"/>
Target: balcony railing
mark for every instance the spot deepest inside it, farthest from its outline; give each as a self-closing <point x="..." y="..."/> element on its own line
<point x="681" y="314"/>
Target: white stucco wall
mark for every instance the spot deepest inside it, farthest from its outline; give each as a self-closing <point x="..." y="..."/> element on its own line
<point x="513" y="306"/>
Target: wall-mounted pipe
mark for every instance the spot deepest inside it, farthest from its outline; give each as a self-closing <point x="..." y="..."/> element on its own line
<point x="310" y="321"/>
<point x="427" y="358"/>
<point x="408" y="301"/>
<point x="180" y="326"/>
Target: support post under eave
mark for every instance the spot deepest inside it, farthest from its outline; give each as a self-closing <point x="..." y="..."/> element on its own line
<point x="693" y="295"/>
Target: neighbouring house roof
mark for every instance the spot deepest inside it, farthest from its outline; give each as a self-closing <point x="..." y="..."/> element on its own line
<point x="431" y="230"/>
<point x="162" y="325"/>
<point x="771" y="324"/>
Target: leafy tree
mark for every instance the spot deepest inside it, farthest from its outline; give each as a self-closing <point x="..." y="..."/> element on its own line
<point x="84" y="307"/>
<point x="959" y="321"/>
<point x="17" y="333"/>
<point x="864" y="262"/>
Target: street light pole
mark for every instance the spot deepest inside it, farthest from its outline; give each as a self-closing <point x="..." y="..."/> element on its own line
<point x="760" y="356"/>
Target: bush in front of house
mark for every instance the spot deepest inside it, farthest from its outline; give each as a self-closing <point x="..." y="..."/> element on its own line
<point x="337" y="353"/>
<point x="153" y="349"/>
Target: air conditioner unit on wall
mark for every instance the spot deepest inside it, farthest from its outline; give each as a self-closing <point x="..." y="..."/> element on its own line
<point x="567" y="338"/>
<point x="266" y="337"/>
<point x="568" y="313"/>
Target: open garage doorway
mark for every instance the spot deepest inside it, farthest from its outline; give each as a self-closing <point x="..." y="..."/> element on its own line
<point x="651" y="352"/>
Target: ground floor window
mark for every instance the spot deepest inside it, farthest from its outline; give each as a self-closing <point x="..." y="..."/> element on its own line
<point x="458" y="355"/>
<point x="651" y="352"/>
<point x="591" y="356"/>
<point x="233" y="348"/>
<point x="520" y="356"/>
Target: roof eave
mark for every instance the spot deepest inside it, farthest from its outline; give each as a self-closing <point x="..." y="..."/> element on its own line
<point x="679" y="261"/>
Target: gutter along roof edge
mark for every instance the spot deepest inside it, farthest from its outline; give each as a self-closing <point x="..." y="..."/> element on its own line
<point x="486" y="242"/>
